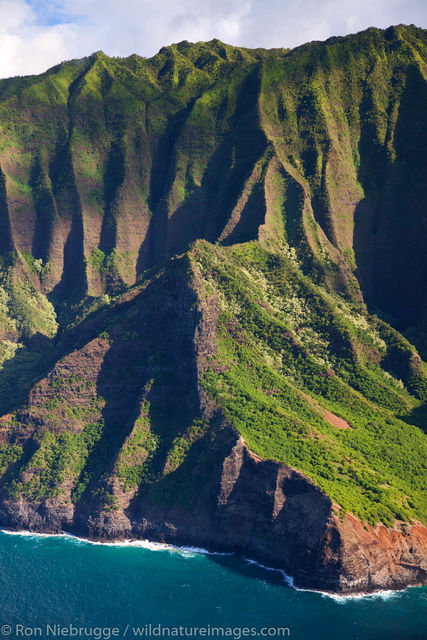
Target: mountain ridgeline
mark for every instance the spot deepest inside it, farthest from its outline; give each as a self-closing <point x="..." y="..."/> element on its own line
<point x="213" y="302"/>
<point x="110" y="166"/>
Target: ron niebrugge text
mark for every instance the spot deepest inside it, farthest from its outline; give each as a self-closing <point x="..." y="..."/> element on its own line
<point x="145" y="631"/>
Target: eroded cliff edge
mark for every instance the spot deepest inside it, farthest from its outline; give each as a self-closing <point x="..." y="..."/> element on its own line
<point x="262" y="509"/>
<point x="124" y="438"/>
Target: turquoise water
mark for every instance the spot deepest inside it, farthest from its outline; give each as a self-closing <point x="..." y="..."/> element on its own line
<point x="60" y="580"/>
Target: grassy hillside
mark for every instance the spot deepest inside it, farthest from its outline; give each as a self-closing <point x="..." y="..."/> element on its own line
<point x="303" y="377"/>
<point x="292" y="184"/>
<point x="111" y="165"/>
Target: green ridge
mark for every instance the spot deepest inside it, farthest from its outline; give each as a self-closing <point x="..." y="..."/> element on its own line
<point x="291" y="183"/>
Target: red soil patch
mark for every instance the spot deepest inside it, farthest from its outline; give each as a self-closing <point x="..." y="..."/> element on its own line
<point x="336" y="421"/>
<point x="330" y="417"/>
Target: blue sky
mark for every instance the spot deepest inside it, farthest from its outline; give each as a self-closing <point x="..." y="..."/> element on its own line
<point x="49" y="13"/>
<point x="36" y="34"/>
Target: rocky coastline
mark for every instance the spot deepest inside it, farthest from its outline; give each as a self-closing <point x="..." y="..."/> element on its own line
<point x="261" y="509"/>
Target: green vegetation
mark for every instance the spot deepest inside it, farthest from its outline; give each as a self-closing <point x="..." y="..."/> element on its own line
<point x="23" y="309"/>
<point x="182" y="444"/>
<point x="132" y="467"/>
<point x="97" y="259"/>
<point x="281" y="189"/>
<point x="9" y="454"/>
<point x="60" y="457"/>
<point x="281" y="359"/>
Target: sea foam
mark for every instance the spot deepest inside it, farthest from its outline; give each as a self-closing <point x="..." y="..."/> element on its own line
<point x="193" y="551"/>
<point x="143" y="544"/>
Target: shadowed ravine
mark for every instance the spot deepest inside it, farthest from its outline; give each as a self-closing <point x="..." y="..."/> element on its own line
<point x="213" y="303"/>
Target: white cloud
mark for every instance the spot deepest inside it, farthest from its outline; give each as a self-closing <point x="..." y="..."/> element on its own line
<point x="25" y="46"/>
<point x="288" y="23"/>
<point x="36" y="34"/>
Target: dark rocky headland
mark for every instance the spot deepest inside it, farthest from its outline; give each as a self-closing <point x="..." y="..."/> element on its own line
<point x="213" y="303"/>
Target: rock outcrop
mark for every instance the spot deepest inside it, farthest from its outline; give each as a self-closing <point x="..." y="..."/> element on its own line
<point x="193" y="252"/>
<point x="219" y="495"/>
<point x="259" y="508"/>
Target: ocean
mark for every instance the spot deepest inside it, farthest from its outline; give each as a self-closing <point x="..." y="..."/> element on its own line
<point x="61" y="586"/>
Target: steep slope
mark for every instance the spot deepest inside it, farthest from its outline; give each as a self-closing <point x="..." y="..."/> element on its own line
<point x="194" y="249"/>
<point x="112" y="165"/>
<point x="137" y="429"/>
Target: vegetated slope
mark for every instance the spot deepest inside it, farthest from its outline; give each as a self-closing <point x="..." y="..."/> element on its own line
<point x="112" y="165"/>
<point x="134" y="430"/>
<point x="125" y="404"/>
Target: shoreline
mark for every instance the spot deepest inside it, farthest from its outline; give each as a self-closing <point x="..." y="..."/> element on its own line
<point x="152" y="545"/>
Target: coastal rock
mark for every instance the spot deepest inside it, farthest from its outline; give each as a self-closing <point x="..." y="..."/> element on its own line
<point x="263" y="510"/>
<point x="193" y="251"/>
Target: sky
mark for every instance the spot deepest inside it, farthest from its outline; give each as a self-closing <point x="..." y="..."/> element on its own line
<point x="37" y="34"/>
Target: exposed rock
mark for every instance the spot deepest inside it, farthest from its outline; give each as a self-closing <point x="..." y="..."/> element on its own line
<point x="262" y="509"/>
<point x="112" y="168"/>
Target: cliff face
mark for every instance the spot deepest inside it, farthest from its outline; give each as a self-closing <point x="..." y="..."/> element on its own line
<point x="241" y="395"/>
<point x="260" y="508"/>
<point x="124" y="438"/>
<point x="110" y="166"/>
